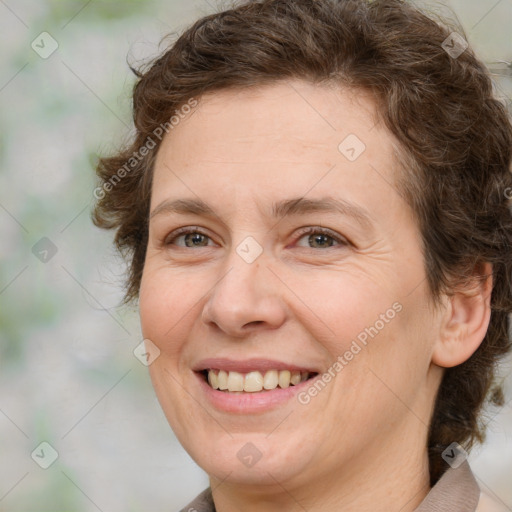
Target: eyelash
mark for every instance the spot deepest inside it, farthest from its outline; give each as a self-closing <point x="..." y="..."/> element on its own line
<point x="307" y="231"/>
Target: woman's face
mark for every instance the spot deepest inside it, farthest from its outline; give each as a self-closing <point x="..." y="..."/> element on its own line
<point x="301" y="257"/>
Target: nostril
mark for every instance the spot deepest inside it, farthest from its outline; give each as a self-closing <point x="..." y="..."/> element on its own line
<point x="256" y="322"/>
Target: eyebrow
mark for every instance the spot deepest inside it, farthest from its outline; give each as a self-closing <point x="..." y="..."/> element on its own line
<point x="284" y="208"/>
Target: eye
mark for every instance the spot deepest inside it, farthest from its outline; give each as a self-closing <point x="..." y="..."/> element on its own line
<point x="192" y="237"/>
<point x="322" y="238"/>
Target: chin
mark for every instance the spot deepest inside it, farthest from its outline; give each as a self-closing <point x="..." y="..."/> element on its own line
<point x="251" y="459"/>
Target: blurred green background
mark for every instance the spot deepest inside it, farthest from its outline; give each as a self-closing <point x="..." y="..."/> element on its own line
<point x="68" y="375"/>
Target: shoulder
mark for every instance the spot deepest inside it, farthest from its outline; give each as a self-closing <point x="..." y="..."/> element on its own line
<point x="202" y="503"/>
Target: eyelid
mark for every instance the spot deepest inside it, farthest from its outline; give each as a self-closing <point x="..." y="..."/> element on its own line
<point x="184" y="231"/>
<point x="341" y="240"/>
<point x="325" y="231"/>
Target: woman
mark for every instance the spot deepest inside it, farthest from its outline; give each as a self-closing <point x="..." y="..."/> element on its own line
<point x="316" y="215"/>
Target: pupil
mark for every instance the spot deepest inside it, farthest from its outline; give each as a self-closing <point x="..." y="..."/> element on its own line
<point x="193" y="237"/>
<point x="318" y="238"/>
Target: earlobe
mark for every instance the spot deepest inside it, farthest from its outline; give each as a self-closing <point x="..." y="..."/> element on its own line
<point x="465" y="321"/>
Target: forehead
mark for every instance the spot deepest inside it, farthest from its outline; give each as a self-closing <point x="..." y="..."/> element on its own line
<point x="281" y="140"/>
<point x="291" y="115"/>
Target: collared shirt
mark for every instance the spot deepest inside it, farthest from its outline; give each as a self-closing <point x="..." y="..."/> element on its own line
<point x="456" y="491"/>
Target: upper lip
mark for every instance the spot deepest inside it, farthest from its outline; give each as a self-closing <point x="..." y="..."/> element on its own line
<point x="248" y="365"/>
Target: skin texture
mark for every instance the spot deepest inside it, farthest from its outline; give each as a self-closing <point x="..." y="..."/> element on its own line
<point x="360" y="444"/>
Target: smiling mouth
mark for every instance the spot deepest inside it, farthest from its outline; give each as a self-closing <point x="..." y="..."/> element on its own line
<point x="255" y="381"/>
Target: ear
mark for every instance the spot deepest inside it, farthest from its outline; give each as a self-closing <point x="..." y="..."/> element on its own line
<point x="465" y="320"/>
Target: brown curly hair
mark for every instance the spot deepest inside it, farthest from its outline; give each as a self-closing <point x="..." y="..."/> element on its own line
<point x="455" y="141"/>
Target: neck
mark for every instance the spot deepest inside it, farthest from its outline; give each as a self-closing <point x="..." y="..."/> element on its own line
<point x="390" y="475"/>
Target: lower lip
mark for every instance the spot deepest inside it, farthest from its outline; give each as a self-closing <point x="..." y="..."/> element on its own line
<point x="245" y="403"/>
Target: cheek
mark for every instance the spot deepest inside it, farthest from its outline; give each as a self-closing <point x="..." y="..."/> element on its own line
<point x="396" y="359"/>
<point x="378" y="338"/>
<point x="166" y="307"/>
<point x="344" y="306"/>
<point x="166" y="319"/>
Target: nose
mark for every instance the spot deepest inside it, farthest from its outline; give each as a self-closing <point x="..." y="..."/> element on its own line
<point x="246" y="298"/>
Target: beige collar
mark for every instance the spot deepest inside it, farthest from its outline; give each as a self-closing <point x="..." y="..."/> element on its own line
<point x="456" y="491"/>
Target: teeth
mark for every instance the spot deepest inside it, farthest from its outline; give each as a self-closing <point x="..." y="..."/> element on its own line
<point x="284" y="378"/>
<point x="295" y="378"/>
<point x="271" y="379"/>
<point x="222" y="379"/>
<point x="235" y="381"/>
<point x="254" y="381"/>
<point x="213" y="380"/>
